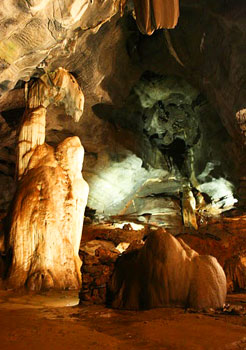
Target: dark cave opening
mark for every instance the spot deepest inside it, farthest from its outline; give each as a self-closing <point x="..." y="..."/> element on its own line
<point x="176" y="153"/>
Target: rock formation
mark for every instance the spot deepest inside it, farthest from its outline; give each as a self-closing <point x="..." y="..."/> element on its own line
<point x="98" y="261"/>
<point x="155" y="14"/>
<point x="48" y="207"/>
<point x="189" y="208"/>
<point x="91" y="40"/>
<point x="167" y="272"/>
<point x="235" y="269"/>
<point x="22" y="50"/>
<point x="58" y="88"/>
<point x="175" y="113"/>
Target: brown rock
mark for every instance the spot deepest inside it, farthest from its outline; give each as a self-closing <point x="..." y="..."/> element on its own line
<point x="167" y="272"/>
<point x="106" y="256"/>
<point x="135" y="245"/>
<point x="90" y="259"/>
<point x="235" y="269"/>
<point x="87" y="278"/>
<point x="90" y="246"/>
<point x="90" y="269"/>
<point x="101" y="281"/>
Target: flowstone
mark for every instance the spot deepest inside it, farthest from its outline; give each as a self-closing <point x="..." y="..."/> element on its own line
<point x="167" y="272"/>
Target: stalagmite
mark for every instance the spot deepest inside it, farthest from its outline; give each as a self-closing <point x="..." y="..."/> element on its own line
<point x="48" y="208"/>
<point x="32" y="134"/>
<point x="156" y="14"/>
<point x="167" y="272"/>
<point x="189" y="208"/>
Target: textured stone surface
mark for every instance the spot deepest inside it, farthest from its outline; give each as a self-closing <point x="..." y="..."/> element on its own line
<point x="22" y="50"/>
<point x="214" y="58"/>
<point x="98" y="259"/>
<point x="235" y="269"/>
<point x="46" y="216"/>
<point x="7" y="164"/>
<point x="91" y="40"/>
<point x="116" y="233"/>
<point x="46" y="222"/>
<point x="224" y="238"/>
<point x="167" y="272"/>
<point x="126" y="129"/>
<point x="154" y="14"/>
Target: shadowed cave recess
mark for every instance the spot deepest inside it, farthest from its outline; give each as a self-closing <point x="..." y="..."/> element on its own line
<point x="149" y="100"/>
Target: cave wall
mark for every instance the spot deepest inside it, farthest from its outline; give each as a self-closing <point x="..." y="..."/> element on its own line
<point x="194" y="73"/>
<point x="108" y="56"/>
<point x="207" y="48"/>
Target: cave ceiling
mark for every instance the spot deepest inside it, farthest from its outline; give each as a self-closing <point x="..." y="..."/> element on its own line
<point x="160" y="110"/>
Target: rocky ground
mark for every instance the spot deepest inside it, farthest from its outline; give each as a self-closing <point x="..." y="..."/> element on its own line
<point x="49" y="321"/>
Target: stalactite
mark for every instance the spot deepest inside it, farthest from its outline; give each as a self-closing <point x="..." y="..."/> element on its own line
<point x="58" y="87"/>
<point x="156" y="14"/>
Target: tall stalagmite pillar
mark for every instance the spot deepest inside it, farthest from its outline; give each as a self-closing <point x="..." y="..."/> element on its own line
<point x="48" y="209"/>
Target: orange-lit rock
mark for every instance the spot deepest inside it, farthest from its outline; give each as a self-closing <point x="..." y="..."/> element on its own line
<point x="48" y="208"/>
<point x="58" y="87"/>
<point x="189" y="208"/>
<point x="32" y="134"/>
<point x="167" y="272"/>
<point x="47" y="219"/>
<point x="156" y="14"/>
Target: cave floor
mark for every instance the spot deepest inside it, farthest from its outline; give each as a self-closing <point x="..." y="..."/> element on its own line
<point x="54" y="321"/>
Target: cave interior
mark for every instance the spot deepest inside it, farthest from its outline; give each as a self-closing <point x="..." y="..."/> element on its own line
<point x="123" y="174"/>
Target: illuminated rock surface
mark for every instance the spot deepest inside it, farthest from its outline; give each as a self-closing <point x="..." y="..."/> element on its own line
<point x="154" y="14"/>
<point x="134" y="116"/>
<point x="162" y="112"/>
<point x="224" y="238"/>
<point x="22" y="50"/>
<point x="47" y="211"/>
<point x="47" y="219"/>
<point x="167" y="272"/>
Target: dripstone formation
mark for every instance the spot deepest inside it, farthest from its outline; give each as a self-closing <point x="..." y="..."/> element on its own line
<point x="164" y="139"/>
<point x="48" y="207"/>
<point x="167" y="272"/>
